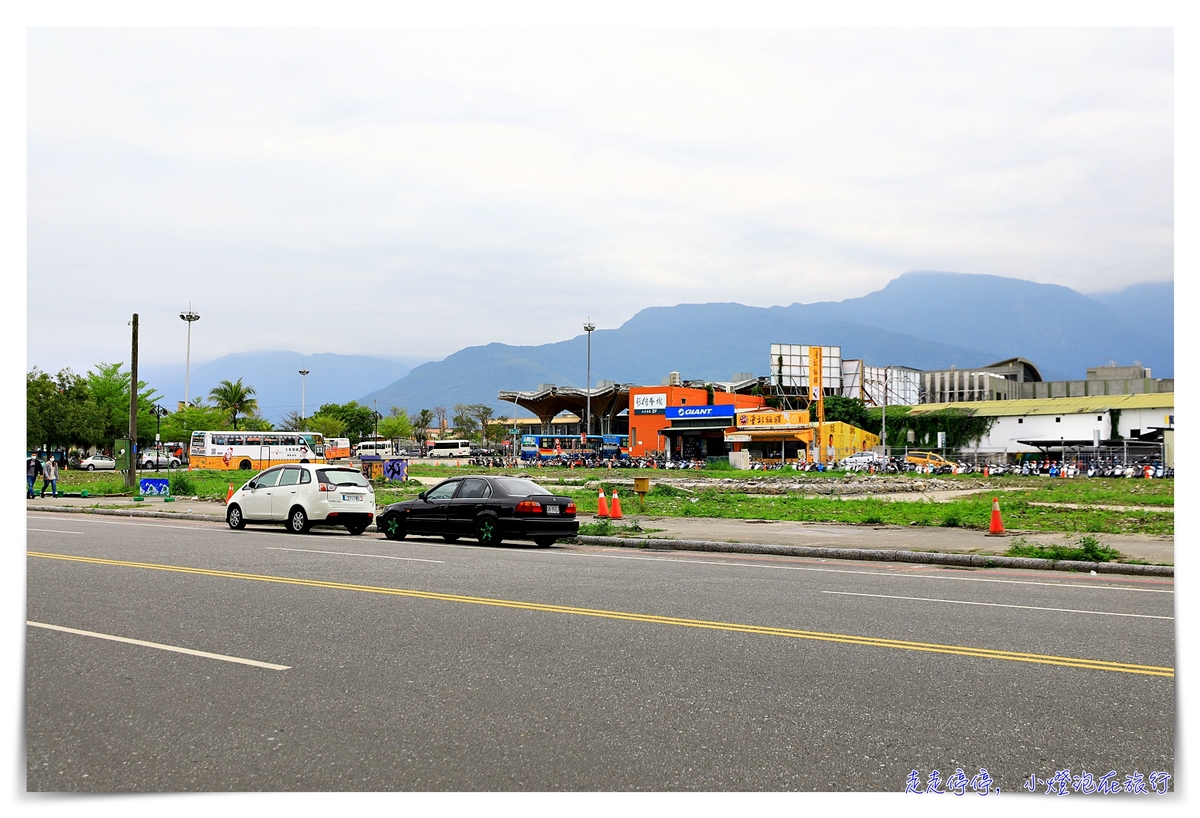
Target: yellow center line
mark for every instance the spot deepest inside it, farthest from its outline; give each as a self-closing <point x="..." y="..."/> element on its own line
<point x="850" y="639"/>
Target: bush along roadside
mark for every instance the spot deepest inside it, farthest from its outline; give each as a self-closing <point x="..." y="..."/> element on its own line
<point x="1086" y="549"/>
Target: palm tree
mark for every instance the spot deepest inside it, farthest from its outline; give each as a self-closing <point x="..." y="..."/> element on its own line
<point x="233" y="398"/>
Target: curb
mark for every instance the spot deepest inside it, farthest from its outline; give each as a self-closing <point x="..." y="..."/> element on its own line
<point x="133" y="512"/>
<point x="137" y="512"/>
<point x="866" y="554"/>
<point x="885" y="555"/>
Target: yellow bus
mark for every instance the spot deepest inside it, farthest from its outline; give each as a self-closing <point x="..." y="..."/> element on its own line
<point x="253" y="450"/>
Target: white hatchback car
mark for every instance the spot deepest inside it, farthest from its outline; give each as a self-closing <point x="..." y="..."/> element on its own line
<point x="302" y="495"/>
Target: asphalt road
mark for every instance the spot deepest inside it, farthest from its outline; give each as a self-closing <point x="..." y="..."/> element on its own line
<point x="422" y="665"/>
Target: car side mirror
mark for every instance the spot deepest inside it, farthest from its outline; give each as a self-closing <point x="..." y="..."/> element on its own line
<point x="422" y="495"/>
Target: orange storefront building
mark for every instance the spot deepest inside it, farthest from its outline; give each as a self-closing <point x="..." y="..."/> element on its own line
<point x="648" y="419"/>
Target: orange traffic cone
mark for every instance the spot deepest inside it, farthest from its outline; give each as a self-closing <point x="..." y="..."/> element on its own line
<point x="997" y="527"/>
<point x="616" y="508"/>
<point x="230" y="494"/>
<point x="602" y="507"/>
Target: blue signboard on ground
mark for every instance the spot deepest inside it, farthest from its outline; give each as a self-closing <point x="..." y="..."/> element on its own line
<point x="395" y="469"/>
<point x="698" y="412"/>
<point x="154" y="487"/>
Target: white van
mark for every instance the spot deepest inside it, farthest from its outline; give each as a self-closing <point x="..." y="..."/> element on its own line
<point x="383" y="448"/>
<point x="450" y="448"/>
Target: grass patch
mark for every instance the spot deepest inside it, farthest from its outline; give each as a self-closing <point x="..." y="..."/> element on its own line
<point x="607" y="528"/>
<point x="182" y="485"/>
<point x="1085" y="549"/>
<point x="972" y="512"/>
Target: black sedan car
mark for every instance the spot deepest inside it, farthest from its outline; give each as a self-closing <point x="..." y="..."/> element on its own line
<point x="490" y="509"/>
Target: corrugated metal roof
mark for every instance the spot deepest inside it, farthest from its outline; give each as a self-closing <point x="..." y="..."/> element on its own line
<point x="1057" y="406"/>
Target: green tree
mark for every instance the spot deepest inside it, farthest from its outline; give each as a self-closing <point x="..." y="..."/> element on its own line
<point x="847" y="410"/>
<point x="396" y="426"/>
<point x="292" y="422"/>
<point x="482" y="414"/>
<point x="326" y="425"/>
<point x="359" y="420"/>
<point x="108" y="385"/>
<point x="464" y="422"/>
<point x="257" y="423"/>
<point x="234" y="397"/>
<point x="421" y="424"/>
<point x="179" y="425"/>
<point x="60" y="411"/>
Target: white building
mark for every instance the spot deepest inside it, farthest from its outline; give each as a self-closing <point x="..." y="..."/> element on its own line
<point x="1045" y="424"/>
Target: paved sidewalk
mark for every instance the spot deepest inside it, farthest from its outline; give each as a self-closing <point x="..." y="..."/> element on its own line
<point x="768" y="532"/>
<point x="904" y="538"/>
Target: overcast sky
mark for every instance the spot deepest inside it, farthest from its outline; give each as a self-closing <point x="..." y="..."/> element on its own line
<point x="411" y="192"/>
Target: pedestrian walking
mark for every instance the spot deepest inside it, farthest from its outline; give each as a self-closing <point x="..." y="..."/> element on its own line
<point x="50" y="477"/>
<point x="33" y="470"/>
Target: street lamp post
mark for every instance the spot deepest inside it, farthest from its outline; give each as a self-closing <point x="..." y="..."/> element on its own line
<point x="303" y="382"/>
<point x="159" y="412"/>
<point x="188" y="316"/>
<point x="589" y="328"/>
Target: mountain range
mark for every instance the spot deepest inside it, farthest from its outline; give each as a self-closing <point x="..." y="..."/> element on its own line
<point x="924" y="320"/>
<point x="276" y="379"/>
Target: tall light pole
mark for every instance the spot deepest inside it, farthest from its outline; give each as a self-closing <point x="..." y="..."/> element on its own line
<point x="188" y="316"/>
<point x="589" y="328"/>
<point x="303" y="382"/>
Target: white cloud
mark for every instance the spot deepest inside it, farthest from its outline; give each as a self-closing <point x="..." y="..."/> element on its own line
<point x="423" y="190"/>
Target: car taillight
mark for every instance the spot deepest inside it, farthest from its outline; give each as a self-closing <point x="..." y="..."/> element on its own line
<point x="570" y="508"/>
<point x="529" y="507"/>
<point x="326" y="487"/>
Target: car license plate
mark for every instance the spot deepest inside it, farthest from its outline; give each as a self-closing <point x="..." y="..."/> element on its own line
<point x="352" y="498"/>
<point x="552" y="509"/>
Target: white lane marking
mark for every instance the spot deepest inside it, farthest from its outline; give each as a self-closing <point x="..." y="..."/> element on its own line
<point x="54" y="530"/>
<point x="146" y="525"/>
<point x="999" y="605"/>
<point x="159" y="646"/>
<point x="872" y="573"/>
<point x="349" y="554"/>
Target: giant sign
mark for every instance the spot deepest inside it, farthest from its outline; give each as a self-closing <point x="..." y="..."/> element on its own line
<point x="651" y="403"/>
<point x="699" y="412"/>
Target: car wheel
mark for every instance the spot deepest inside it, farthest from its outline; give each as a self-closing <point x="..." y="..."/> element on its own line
<point x="544" y="542"/>
<point x="393" y="527"/>
<point x="450" y="537"/>
<point x="235" y="519"/>
<point x="245" y="465"/>
<point x="356" y="528"/>
<point x="297" y="521"/>
<point x="91" y="467"/>
<point x="487" y="531"/>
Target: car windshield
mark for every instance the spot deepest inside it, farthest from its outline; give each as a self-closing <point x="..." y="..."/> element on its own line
<point x="518" y="487"/>
<point x="342" y="477"/>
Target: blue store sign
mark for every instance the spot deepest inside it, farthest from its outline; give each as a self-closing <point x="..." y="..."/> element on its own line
<point x="697" y="412"/>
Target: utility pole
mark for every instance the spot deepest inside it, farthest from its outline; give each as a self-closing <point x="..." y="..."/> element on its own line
<point x="303" y="382"/>
<point x="885" y="451"/>
<point x="131" y="475"/>
<point x="589" y="327"/>
<point x="188" y="316"/>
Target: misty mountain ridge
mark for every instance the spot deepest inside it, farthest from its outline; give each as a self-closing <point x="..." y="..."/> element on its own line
<point x="276" y="378"/>
<point x="924" y="320"/>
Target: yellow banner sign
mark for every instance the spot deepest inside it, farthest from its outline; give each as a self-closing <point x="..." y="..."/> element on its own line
<point x="766" y="420"/>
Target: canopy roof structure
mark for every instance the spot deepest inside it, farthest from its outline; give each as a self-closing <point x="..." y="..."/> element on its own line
<point x="550" y="400"/>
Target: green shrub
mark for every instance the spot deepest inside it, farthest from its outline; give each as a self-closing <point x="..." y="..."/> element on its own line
<point x="182" y="485"/>
<point x="1086" y="549"/>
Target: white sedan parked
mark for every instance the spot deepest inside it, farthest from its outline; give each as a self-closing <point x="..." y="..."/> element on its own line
<point x="97" y="461"/>
<point x="302" y="495"/>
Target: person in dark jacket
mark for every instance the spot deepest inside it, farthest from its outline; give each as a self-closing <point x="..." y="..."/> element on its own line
<point x="33" y="470"/>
